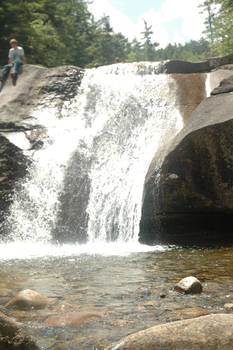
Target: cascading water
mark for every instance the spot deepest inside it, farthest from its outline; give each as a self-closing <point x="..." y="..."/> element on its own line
<point x="120" y="116"/>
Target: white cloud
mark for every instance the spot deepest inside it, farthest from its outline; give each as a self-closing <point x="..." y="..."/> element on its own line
<point x="184" y="12"/>
<point x="119" y="21"/>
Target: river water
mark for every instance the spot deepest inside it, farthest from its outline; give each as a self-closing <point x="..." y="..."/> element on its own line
<point x="129" y="286"/>
<point x="87" y="181"/>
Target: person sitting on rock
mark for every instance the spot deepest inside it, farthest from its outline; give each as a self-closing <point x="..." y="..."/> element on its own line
<point x="16" y="61"/>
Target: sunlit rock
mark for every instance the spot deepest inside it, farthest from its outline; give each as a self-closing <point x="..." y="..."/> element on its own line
<point x="225" y="86"/>
<point x="189" y="285"/>
<point x="28" y="299"/>
<point x="206" y="333"/>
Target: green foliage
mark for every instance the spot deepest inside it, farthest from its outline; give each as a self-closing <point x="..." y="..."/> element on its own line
<point x="148" y="45"/>
<point x="58" y="32"/>
<point x="219" y="25"/>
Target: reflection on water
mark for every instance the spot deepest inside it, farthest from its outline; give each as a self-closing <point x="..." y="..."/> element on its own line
<point x="126" y="289"/>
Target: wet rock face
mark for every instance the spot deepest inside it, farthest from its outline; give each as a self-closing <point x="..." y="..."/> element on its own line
<point x="21" y="132"/>
<point x="72" y="219"/>
<point x="62" y="82"/>
<point x="13" y="165"/>
<point x="192" y="192"/>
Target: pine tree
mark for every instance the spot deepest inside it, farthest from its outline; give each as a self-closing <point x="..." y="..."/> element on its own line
<point x="148" y="45"/>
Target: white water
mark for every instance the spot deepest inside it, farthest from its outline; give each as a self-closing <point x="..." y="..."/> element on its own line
<point x="120" y="117"/>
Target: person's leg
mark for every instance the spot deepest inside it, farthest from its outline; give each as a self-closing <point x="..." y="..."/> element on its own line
<point x="15" y="71"/>
<point x="5" y="72"/>
<point x="16" y="67"/>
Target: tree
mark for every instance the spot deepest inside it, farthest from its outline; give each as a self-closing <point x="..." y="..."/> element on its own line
<point x="219" y="25"/>
<point x="207" y="7"/>
<point x="136" y="52"/>
<point x="148" y="45"/>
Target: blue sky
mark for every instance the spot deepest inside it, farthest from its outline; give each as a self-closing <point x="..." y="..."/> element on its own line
<point x="133" y="9"/>
<point x="173" y="21"/>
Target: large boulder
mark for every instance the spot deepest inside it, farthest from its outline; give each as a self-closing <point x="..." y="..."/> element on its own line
<point x="192" y="190"/>
<point x="205" y="332"/>
<point x="225" y="86"/>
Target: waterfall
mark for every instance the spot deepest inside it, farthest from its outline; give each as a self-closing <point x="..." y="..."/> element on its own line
<point x="121" y="115"/>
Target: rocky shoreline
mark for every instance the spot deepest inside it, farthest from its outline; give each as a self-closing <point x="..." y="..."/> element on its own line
<point x="196" y="328"/>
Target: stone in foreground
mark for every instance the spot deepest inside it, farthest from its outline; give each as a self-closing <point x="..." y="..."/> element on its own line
<point x="12" y="336"/>
<point x="210" y="332"/>
<point x="189" y="285"/>
<point x="28" y="299"/>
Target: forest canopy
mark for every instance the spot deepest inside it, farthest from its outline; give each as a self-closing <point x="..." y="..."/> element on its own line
<point x="58" y="32"/>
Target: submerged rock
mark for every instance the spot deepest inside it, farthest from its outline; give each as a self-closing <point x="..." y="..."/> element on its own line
<point x="205" y="332"/>
<point x="28" y="299"/>
<point x="71" y="319"/>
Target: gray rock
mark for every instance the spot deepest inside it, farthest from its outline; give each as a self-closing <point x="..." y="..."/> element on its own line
<point x="178" y="66"/>
<point x="21" y="133"/>
<point x="225" y="86"/>
<point x="206" y="332"/>
<point x="200" y="199"/>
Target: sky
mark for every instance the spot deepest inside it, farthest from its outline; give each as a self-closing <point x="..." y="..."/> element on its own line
<point x="173" y="21"/>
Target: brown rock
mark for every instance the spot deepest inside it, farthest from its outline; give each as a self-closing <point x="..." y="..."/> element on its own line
<point x="72" y="319"/>
<point x="206" y="333"/>
<point x="28" y="299"/>
<point x="189" y="285"/>
<point x="12" y="336"/>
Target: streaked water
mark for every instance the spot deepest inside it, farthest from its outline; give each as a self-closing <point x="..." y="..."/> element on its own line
<point x="117" y="121"/>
